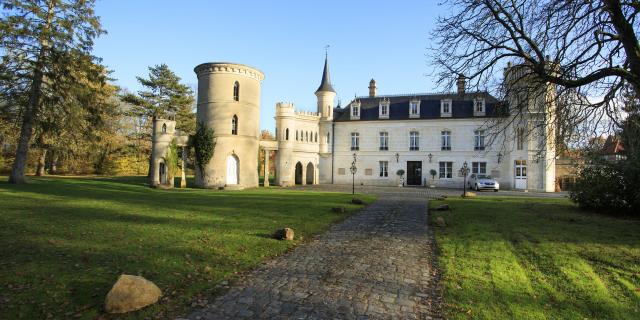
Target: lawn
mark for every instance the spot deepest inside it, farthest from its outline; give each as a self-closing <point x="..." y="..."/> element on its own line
<point x="518" y="258"/>
<point x="64" y="241"/>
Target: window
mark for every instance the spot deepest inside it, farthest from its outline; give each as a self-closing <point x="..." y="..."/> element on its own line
<point x="384" y="141"/>
<point x="234" y="125"/>
<point x="384" y="168"/>
<point x="286" y="134"/>
<point x="384" y="110"/>
<point x="236" y="91"/>
<point x="445" y="108"/>
<point x="355" y="110"/>
<point x="446" y="140"/>
<point x="307" y="136"/>
<point x="479" y="167"/>
<point x="316" y="137"/>
<point x="414" y="141"/>
<point x="446" y="170"/>
<point x="414" y="109"/>
<point x="164" y="128"/>
<point x="478" y="107"/>
<point x="520" y="138"/>
<point x="296" y="135"/>
<point x="328" y="137"/>
<point x="478" y="139"/>
<point x="355" y="141"/>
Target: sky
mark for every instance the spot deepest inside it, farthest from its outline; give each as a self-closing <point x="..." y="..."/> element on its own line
<point x="384" y="40"/>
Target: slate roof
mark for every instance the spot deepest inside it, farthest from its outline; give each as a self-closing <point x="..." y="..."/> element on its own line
<point x="462" y="106"/>
<point x="325" y="85"/>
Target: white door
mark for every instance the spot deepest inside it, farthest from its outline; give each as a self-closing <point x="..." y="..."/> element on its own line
<point x="232" y="170"/>
<point x="521" y="174"/>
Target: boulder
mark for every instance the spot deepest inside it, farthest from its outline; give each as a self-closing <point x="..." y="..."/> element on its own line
<point x="356" y="201"/>
<point x="440" y="222"/>
<point x="338" y="209"/>
<point x="442" y="207"/>
<point x="131" y="293"/>
<point x="284" y="234"/>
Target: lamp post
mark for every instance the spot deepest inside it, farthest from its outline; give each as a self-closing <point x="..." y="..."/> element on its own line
<point x="353" y="170"/>
<point x="464" y="171"/>
<point x="430" y="156"/>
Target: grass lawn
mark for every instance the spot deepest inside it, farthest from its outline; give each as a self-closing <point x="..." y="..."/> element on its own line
<point x="519" y="258"/>
<point x="64" y="241"/>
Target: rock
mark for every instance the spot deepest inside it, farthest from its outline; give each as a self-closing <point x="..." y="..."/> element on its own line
<point x="440" y="222"/>
<point x="442" y="207"/>
<point x="131" y="293"/>
<point x="469" y="194"/>
<point x="356" y="201"/>
<point x="284" y="234"/>
<point x="338" y="209"/>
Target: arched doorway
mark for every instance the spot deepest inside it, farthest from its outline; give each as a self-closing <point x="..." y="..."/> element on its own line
<point x="310" y="173"/>
<point x="232" y="170"/>
<point x="298" y="173"/>
<point x="162" y="170"/>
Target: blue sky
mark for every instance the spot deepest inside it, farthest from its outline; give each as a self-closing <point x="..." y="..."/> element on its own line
<point x="384" y="40"/>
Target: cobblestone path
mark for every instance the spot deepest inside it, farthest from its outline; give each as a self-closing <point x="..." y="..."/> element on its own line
<point x="376" y="264"/>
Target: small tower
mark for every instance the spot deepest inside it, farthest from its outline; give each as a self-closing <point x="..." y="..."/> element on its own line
<point x="372" y="89"/>
<point x="325" y="93"/>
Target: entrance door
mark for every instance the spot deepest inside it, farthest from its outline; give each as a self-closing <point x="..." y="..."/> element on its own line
<point x="414" y="173"/>
<point x="163" y="173"/>
<point x="232" y="170"/>
<point x="521" y="174"/>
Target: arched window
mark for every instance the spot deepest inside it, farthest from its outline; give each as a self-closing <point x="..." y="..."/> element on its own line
<point x="316" y="137"/>
<point x="307" y="136"/>
<point x="296" y="135"/>
<point x="164" y="128"/>
<point x="234" y="125"/>
<point x="328" y="136"/>
<point x="236" y="91"/>
<point x="286" y="134"/>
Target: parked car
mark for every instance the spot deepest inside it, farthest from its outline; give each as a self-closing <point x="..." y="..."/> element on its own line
<point x="483" y="182"/>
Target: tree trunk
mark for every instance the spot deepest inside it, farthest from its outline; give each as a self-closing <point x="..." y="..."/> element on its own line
<point x="54" y="163"/>
<point x="40" y="171"/>
<point x="17" y="172"/>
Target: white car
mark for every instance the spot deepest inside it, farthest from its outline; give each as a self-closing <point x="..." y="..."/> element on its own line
<point x="483" y="182"/>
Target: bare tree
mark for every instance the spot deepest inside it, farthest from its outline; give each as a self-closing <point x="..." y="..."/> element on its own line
<point x="574" y="56"/>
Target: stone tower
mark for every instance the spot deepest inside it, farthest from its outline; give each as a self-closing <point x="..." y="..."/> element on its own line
<point x="229" y="103"/>
<point x="326" y="96"/>
<point x="163" y="133"/>
<point x="286" y="126"/>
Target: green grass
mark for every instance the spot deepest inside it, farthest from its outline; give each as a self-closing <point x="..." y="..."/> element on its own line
<point x="518" y="258"/>
<point x="64" y="241"/>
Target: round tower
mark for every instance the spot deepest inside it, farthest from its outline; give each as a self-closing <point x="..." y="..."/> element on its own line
<point x="162" y="135"/>
<point x="285" y="124"/>
<point x="229" y="103"/>
<point x="325" y="95"/>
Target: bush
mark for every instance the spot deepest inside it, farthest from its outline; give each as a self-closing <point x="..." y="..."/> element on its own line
<point x="609" y="188"/>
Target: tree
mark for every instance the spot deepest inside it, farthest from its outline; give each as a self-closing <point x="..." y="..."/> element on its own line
<point x="582" y="48"/>
<point x="39" y="39"/>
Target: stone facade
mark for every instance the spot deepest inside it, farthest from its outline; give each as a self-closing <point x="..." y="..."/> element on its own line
<point x="416" y="133"/>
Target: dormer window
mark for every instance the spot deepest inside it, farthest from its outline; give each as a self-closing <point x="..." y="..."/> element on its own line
<point x="445" y="108"/>
<point x="355" y="110"/>
<point x="478" y="107"/>
<point x="383" y="109"/>
<point x="414" y="109"/>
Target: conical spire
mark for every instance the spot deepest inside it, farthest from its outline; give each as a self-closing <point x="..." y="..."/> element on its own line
<point x="326" y="78"/>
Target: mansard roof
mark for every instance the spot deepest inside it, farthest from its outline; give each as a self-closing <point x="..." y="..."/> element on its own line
<point x="462" y="106"/>
<point x="325" y="85"/>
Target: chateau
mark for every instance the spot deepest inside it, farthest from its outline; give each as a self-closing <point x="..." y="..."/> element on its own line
<point x="418" y="133"/>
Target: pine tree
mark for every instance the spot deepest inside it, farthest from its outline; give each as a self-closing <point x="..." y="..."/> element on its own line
<point x="41" y="40"/>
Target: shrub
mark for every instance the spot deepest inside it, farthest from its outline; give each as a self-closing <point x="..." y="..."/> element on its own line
<point x="400" y="172"/>
<point x="608" y="188"/>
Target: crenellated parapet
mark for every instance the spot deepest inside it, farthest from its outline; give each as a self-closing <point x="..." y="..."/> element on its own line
<point x="227" y="67"/>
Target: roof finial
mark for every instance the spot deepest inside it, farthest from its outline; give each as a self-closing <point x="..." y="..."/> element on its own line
<point x="326" y="51"/>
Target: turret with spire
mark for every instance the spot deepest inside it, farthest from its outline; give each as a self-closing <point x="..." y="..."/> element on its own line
<point x="325" y="93"/>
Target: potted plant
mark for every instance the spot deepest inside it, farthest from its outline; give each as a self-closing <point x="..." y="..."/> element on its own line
<point x="433" y="177"/>
<point x="400" y="174"/>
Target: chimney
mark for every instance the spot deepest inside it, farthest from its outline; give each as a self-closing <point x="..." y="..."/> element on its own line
<point x="372" y="88"/>
<point x="461" y="83"/>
